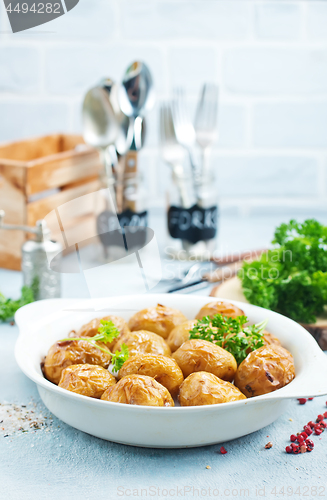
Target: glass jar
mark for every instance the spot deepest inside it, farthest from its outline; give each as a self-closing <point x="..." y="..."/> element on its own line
<point x="192" y="215"/>
<point x="121" y="226"/>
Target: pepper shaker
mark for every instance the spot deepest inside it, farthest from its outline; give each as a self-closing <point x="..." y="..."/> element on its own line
<point x="45" y="283"/>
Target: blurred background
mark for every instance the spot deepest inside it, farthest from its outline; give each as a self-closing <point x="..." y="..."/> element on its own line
<point x="269" y="59"/>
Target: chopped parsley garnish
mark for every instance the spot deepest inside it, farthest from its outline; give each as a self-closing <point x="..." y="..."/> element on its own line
<point x="230" y="334"/>
<point x="107" y="333"/>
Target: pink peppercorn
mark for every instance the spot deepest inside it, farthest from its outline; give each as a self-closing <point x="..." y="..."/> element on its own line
<point x="223" y="451"/>
<point x="307" y="430"/>
<point x="293" y="437"/>
<point x="325" y="414"/>
<point x="302" y="401"/>
<point x="318" y="431"/>
<point x="311" y="424"/>
<point x="288" y="449"/>
<point x="309" y="444"/>
<point x="320" y="418"/>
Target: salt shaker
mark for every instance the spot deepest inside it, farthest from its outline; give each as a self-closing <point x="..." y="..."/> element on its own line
<point x="45" y="283"/>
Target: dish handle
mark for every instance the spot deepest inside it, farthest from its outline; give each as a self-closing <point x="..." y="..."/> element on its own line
<point x="35" y="313"/>
<point x="314" y="385"/>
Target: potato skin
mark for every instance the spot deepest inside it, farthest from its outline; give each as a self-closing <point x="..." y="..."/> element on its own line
<point x="138" y="390"/>
<point x="72" y="352"/>
<point x="163" y="369"/>
<point x="180" y="334"/>
<point x="160" y="320"/>
<point x="265" y="370"/>
<point x="88" y="380"/>
<point x="90" y="329"/>
<point x="219" y="307"/>
<point x="143" y="342"/>
<point x="203" y="388"/>
<point x="270" y="339"/>
<point x="200" y="355"/>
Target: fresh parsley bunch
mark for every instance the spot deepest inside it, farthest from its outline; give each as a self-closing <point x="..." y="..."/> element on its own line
<point x="292" y="277"/>
<point x="8" y="307"/>
<point x="107" y="333"/>
<point x="230" y="334"/>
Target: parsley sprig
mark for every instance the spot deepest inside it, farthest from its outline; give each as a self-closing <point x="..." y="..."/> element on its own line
<point x="107" y="332"/>
<point x="291" y="278"/>
<point x="8" y="307"/>
<point x="230" y="334"/>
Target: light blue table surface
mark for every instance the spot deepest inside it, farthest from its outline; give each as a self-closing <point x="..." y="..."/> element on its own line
<point x="64" y="463"/>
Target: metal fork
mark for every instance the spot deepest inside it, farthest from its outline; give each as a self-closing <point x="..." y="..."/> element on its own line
<point x="205" y="123"/>
<point x="172" y="152"/>
<point x="184" y="130"/>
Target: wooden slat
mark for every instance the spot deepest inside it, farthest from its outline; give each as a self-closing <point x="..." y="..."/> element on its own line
<point x="40" y="208"/>
<point x="32" y="167"/>
<point x="10" y="259"/>
<point x="31" y="149"/>
<point x="70" y="141"/>
<point x="12" y="201"/>
<point x="15" y="176"/>
<point x="50" y="161"/>
<point x="61" y="170"/>
<point x="39" y="147"/>
<point x="79" y="229"/>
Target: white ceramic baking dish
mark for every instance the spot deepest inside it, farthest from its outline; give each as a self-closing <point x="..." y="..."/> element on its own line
<point x="42" y="323"/>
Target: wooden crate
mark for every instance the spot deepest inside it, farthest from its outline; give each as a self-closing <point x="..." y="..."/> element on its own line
<point x="36" y="177"/>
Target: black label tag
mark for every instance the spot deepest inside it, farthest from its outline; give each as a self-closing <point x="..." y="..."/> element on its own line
<point x="193" y="224"/>
<point x="113" y="228"/>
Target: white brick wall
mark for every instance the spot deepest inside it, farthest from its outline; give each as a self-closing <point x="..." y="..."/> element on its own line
<point x="269" y="58"/>
<point x="192" y="19"/>
<point x="285" y="124"/>
<point x="20" y="70"/>
<point x="317" y="18"/>
<point x="274" y="21"/>
<point x="277" y="70"/>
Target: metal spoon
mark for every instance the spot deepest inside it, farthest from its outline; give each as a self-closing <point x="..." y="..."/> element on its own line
<point x="123" y="140"/>
<point x="125" y="127"/>
<point x="136" y="97"/>
<point x="100" y="126"/>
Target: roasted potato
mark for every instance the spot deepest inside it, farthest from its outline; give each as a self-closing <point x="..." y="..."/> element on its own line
<point x="88" y="380"/>
<point x="165" y="370"/>
<point x="219" y="307"/>
<point x="138" y="390"/>
<point x="91" y="328"/>
<point x="200" y="355"/>
<point x="160" y="320"/>
<point x="72" y="352"/>
<point x="143" y="342"/>
<point x="203" y="388"/>
<point x="180" y="334"/>
<point x="265" y="370"/>
<point x="270" y="339"/>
